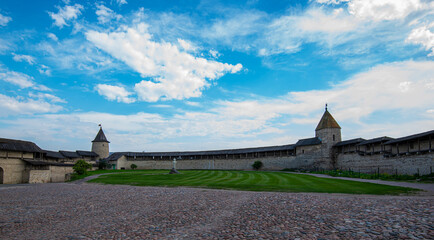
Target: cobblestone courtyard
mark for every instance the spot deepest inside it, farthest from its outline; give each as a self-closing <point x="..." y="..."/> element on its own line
<point x="89" y="211"/>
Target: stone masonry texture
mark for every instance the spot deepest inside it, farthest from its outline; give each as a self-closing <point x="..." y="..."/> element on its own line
<point x="91" y="211"/>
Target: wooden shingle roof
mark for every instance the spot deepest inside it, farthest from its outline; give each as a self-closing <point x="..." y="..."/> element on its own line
<point x="86" y="153"/>
<point x="68" y="154"/>
<point x="412" y="137"/>
<point x="19" y="146"/>
<point x="349" y="142"/>
<point x="117" y="155"/>
<point x="327" y="121"/>
<point x="308" y="142"/>
<point x="45" y="163"/>
<point x="376" y="140"/>
<point x="100" y="137"/>
<point x="52" y="154"/>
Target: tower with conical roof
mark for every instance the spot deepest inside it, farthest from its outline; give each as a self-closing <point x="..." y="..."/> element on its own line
<point x="100" y="145"/>
<point x="328" y="130"/>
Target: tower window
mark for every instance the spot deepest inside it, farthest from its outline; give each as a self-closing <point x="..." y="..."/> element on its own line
<point x="302" y="151"/>
<point x="334" y="137"/>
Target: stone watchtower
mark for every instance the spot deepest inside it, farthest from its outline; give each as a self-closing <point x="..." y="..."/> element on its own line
<point x="100" y="145"/>
<point x="329" y="132"/>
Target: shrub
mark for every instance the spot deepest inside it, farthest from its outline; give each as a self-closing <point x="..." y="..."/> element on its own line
<point x="81" y="166"/>
<point x="102" y="165"/>
<point x="133" y="166"/>
<point x="257" y="165"/>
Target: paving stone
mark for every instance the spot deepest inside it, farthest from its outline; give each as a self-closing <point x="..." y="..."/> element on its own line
<point x="91" y="211"/>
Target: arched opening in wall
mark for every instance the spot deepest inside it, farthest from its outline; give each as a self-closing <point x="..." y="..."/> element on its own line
<point x="1" y="175"/>
<point x="334" y="137"/>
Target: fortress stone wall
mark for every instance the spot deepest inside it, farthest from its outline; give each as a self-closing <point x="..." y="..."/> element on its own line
<point x="23" y="162"/>
<point x="407" y="155"/>
<point x="405" y="164"/>
<point x="269" y="163"/>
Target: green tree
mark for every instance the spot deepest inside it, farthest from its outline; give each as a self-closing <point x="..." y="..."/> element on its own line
<point x="257" y="165"/>
<point x="81" y="167"/>
<point x="133" y="166"/>
<point x="102" y="164"/>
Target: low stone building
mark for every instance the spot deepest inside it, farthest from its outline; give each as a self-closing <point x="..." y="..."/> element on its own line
<point x="25" y="162"/>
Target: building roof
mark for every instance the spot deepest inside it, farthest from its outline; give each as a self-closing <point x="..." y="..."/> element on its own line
<point x="69" y="154"/>
<point x="117" y="155"/>
<point x="19" y="146"/>
<point x="45" y="163"/>
<point x="114" y="156"/>
<point x="87" y="153"/>
<point x="376" y="140"/>
<point x="327" y="121"/>
<point x="308" y="142"/>
<point x="412" y="137"/>
<point x="52" y="154"/>
<point x="349" y="142"/>
<point x="100" y="137"/>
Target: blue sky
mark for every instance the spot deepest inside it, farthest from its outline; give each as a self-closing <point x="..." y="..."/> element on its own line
<point x="170" y="76"/>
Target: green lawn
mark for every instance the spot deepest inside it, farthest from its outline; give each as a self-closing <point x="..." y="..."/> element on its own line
<point x="248" y="180"/>
<point x="75" y="177"/>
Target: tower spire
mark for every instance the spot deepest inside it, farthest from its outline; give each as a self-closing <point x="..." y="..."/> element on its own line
<point x="327" y="121"/>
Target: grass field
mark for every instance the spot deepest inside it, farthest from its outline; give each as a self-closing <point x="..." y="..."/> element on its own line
<point x="248" y="180"/>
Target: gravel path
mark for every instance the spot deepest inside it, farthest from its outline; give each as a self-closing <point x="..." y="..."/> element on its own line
<point x="92" y="211"/>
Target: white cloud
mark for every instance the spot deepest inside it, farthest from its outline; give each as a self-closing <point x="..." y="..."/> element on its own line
<point x="16" y="106"/>
<point x="20" y="58"/>
<point x="112" y="93"/>
<point x="176" y="74"/>
<point x="214" y="53"/>
<point x="424" y="37"/>
<point x="378" y="10"/>
<point x="121" y="2"/>
<point x="44" y="70"/>
<point x="331" y="1"/>
<point x="328" y="27"/>
<point x="42" y="88"/>
<point x="20" y="79"/>
<point x="238" y="24"/>
<point x="105" y="14"/>
<point x="77" y="55"/>
<point x="186" y="45"/>
<point x="341" y="27"/>
<point x="316" y="20"/>
<point x="404" y="86"/>
<point x="65" y="14"/>
<point x="4" y="20"/>
<point x="53" y="37"/>
<point x="46" y="96"/>
<point x="194" y="104"/>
